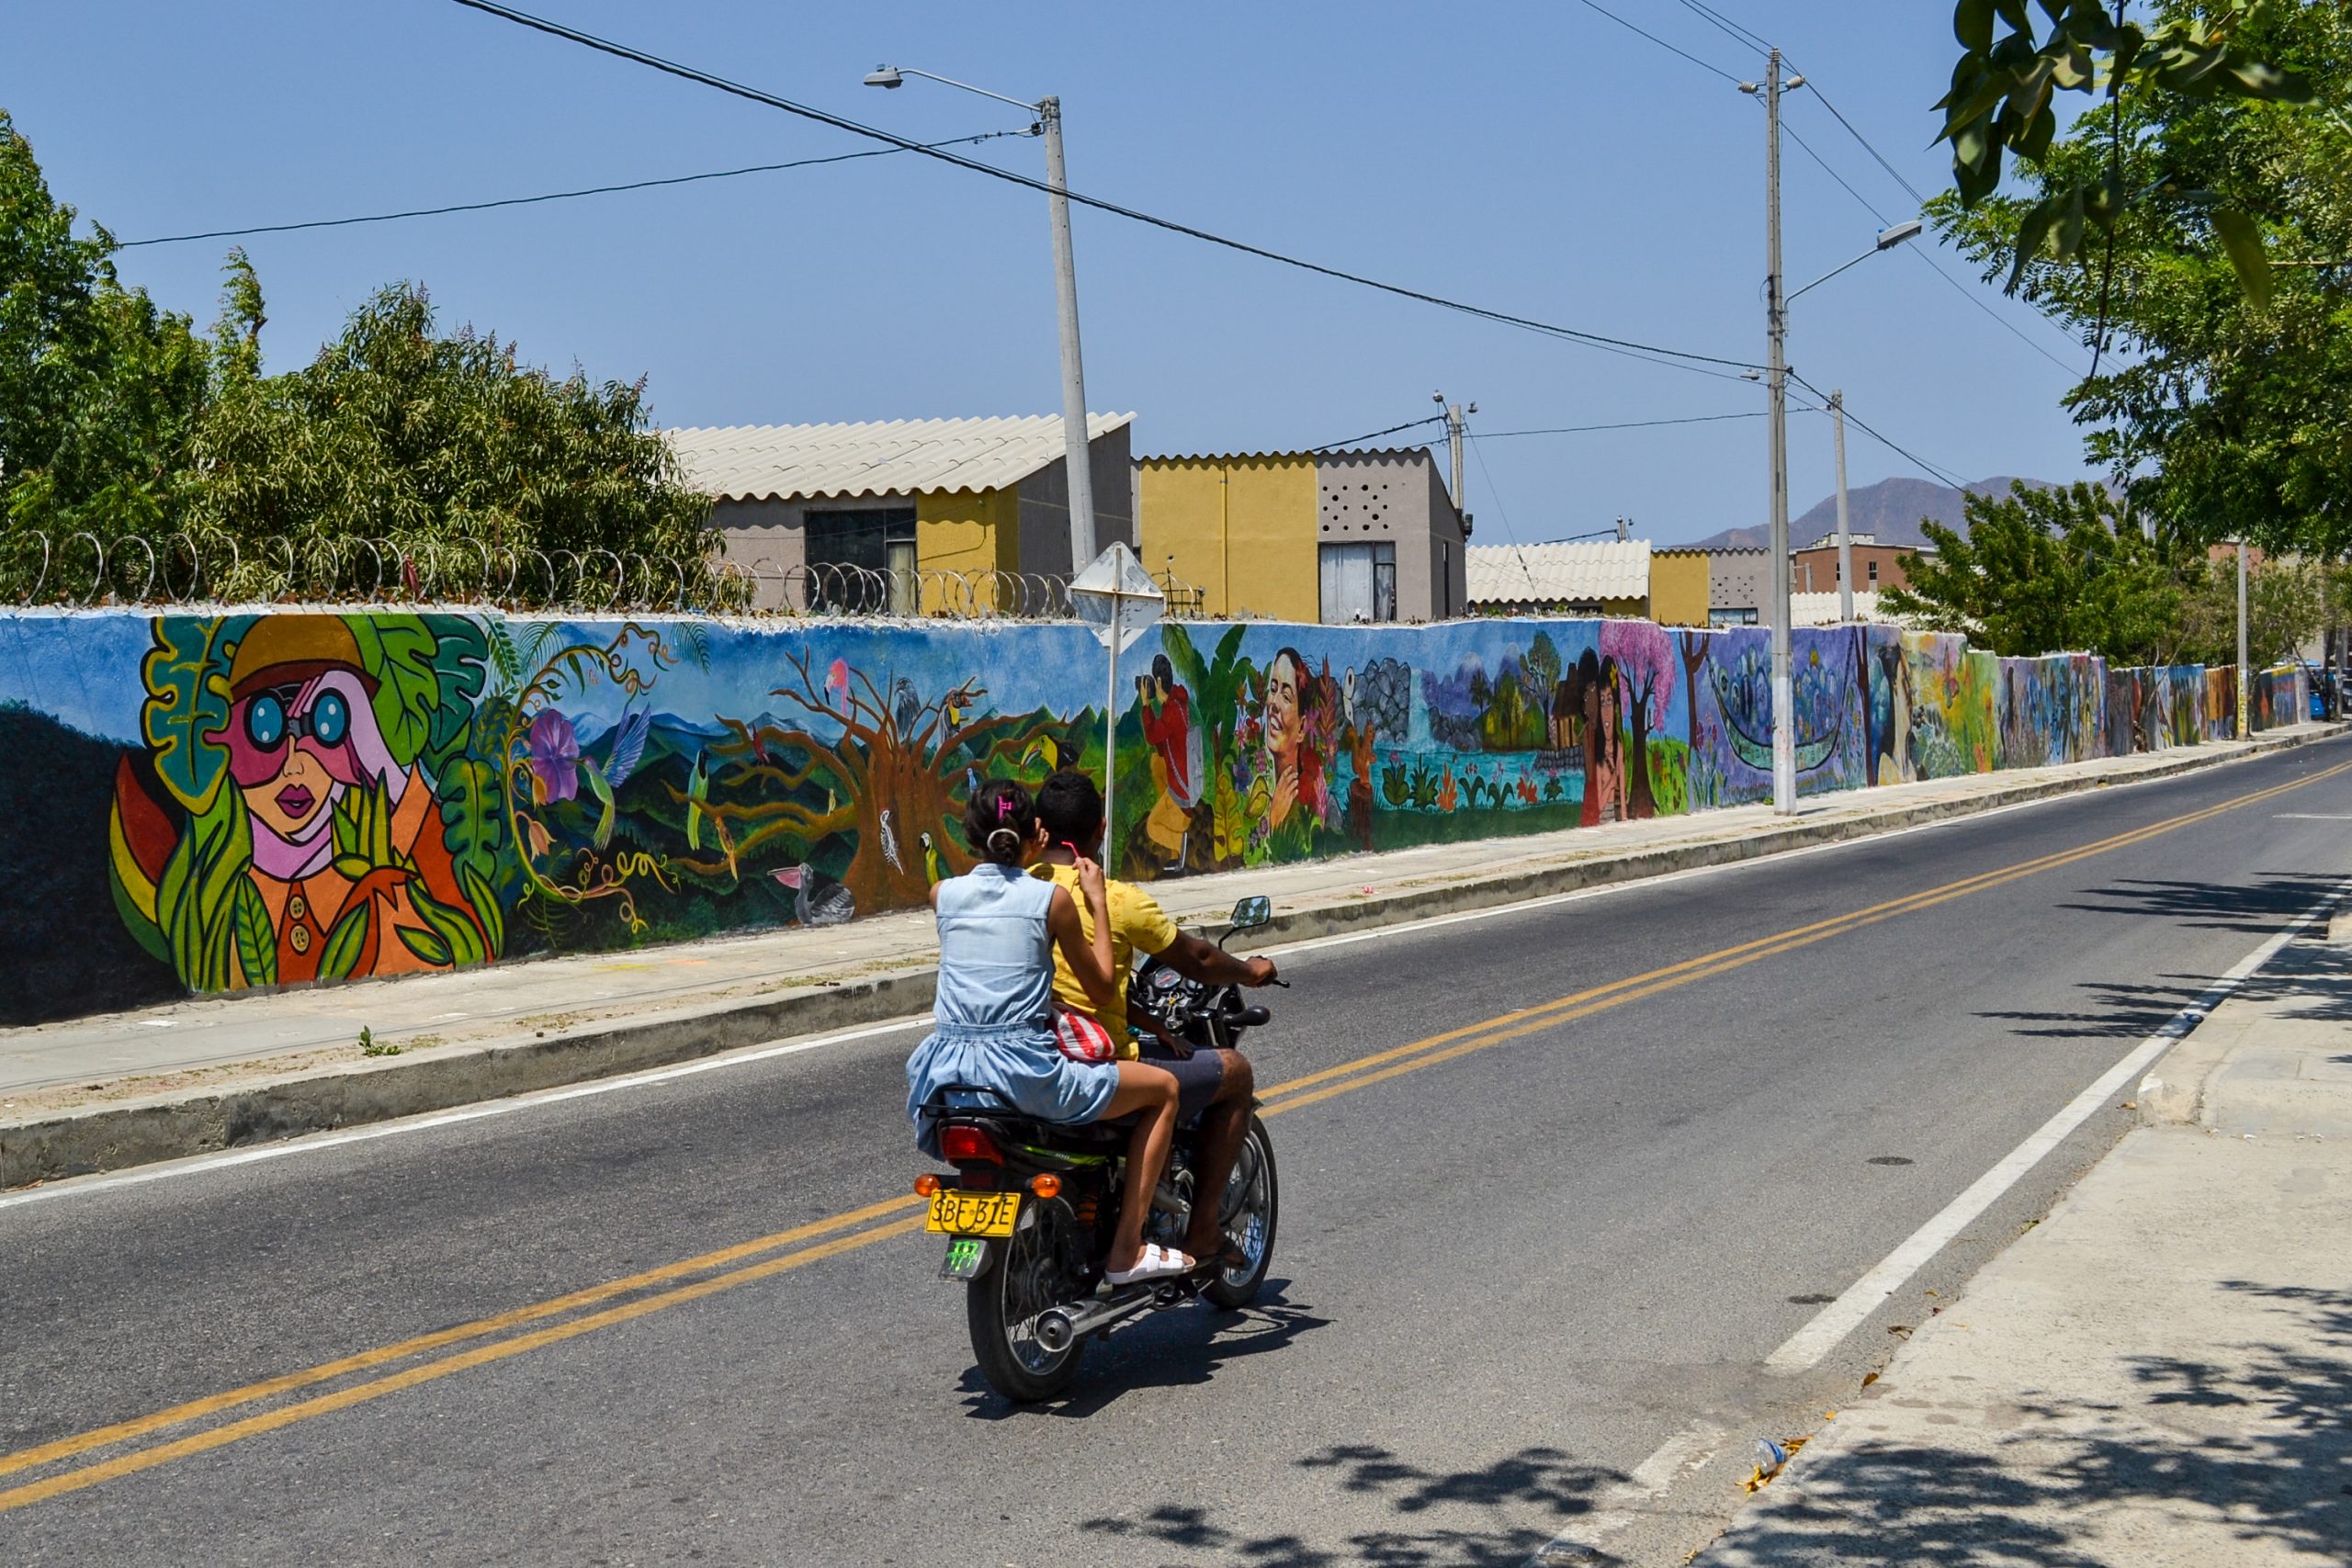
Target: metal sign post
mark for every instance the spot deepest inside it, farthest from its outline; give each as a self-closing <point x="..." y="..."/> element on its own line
<point x="1118" y="600"/>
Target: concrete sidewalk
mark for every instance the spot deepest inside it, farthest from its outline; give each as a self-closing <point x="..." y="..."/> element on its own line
<point x="2161" y="1372"/>
<point x="122" y="1088"/>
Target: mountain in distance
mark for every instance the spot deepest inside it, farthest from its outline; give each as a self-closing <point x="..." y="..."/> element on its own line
<point x="1890" y="509"/>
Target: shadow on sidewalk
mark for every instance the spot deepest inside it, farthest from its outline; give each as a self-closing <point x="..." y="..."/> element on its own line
<point x="2286" y="1483"/>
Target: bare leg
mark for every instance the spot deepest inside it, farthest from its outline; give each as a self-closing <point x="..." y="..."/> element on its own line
<point x="1223" y="1125"/>
<point x="1151" y="1091"/>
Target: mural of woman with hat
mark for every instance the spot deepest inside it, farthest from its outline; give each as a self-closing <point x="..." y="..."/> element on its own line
<point x="320" y="855"/>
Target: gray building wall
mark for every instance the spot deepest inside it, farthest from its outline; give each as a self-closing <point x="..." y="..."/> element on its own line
<point x="1737" y="579"/>
<point x="1044" y="504"/>
<point x="1398" y="496"/>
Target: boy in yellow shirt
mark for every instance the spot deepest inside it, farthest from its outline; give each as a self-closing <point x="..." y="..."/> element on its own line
<point x="1215" y="1085"/>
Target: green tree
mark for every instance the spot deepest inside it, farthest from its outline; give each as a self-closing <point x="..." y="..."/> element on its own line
<point x="2287" y="603"/>
<point x="2002" y="103"/>
<point x="99" y="390"/>
<point x="2048" y="571"/>
<point x="2227" y="411"/>
<point x="121" y="420"/>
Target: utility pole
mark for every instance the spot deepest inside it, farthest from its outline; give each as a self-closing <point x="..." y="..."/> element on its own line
<point x="1074" y="432"/>
<point x="1776" y="385"/>
<point x="2245" y="685"/>
<point x="1456" y="427"/>
<point x="1845" y="536"/>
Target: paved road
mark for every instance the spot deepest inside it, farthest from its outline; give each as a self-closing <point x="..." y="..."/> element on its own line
<point x="1509" y="1279"/>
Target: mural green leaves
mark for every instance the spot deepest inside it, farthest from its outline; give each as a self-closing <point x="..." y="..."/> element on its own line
<point x="401" y="653"/>
<point x="188" y="700"/>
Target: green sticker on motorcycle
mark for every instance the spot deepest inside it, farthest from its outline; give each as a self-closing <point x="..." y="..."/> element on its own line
<point x="964" y="1255"/>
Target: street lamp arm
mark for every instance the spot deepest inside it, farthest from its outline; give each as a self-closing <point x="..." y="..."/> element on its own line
<point x="1830" y="274"/>
<point x="885" y="76"/>
<point x="1887" y="240"/>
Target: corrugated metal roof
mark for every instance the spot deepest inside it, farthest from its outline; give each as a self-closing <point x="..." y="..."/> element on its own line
<point x="1318" y="455"/>
<point x="1821" y="609"/>
<point x="783" y="462"/>
<point x="1584" y="572"/>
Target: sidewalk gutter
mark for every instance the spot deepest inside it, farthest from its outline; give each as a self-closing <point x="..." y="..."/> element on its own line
<point x="175" y="1123"/>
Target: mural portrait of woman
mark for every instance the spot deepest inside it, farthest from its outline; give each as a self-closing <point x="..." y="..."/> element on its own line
<point x="307" y="841"/>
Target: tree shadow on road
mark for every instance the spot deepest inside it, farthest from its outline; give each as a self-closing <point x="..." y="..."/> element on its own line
<point x="2285" y="1485"/>
<point x="1499" y="1515"/>
<point x="2260" y="906"/>
<point x="1183" y="1344"/>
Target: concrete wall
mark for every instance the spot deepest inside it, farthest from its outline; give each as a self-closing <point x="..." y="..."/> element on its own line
<point x="1814" y="570"/>
<point x="509" y="785"/>
<point x="1396" y="497"/>
<point x="1045" y="505"/>
<point x="1739" y="578"/>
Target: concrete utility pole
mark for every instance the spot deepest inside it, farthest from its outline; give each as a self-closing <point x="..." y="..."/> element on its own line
<point x="1074" y="432"/>
<point x="1456" y="427"/>
<point x="1844" y="536"/>
<point x="1776" y="385"/>
<point x="1074" y="435"/>
<point x="2245" y="684"/>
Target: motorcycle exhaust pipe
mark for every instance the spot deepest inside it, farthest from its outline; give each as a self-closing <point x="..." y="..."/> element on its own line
<point x="1060" y="1327"/>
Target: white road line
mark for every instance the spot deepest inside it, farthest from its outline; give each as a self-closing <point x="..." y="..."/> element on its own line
<point x="312" y="1142"/>
<point x="1807" y="1346"/>
<point x="315" y="1142"/>
<point x="1619" y="1505"/>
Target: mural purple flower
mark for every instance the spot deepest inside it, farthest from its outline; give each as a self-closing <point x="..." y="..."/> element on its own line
<point x="555" y="756"/>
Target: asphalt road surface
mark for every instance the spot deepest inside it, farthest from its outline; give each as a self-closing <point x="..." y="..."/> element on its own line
<point x="1527" y="1281"/>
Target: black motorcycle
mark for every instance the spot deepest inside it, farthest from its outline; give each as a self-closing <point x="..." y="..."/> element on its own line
<point x="1030" y="1209"/>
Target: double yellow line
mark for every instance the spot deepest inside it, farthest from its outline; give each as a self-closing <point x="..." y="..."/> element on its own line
<point x="658" y="1289"/>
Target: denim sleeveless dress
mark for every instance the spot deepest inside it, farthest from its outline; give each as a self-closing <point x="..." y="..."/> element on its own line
<point x="992" y="1019"/>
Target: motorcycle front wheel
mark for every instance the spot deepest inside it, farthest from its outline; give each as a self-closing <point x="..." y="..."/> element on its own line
<point x="1028" y="1274"/>
<point x="1250" y="1206"/>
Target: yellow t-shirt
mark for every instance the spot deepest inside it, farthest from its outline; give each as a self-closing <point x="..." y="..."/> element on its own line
<point x="1137" y="925"/>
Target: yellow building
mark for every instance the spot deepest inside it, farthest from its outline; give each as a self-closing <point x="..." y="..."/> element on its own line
<point x="1680" y="586"/>
<point x="1330" y="537"/>
<point x="907" y="516"/>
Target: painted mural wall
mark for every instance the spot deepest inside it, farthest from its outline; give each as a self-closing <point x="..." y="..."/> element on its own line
<point x="217" y="803"/>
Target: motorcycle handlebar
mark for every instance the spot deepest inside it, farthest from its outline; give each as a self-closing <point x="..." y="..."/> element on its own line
<point x="1251" y="1016"/>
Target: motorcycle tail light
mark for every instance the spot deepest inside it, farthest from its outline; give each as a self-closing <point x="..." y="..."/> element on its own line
<point x="969" y="1146"/>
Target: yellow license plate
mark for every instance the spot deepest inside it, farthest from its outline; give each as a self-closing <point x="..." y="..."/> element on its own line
<point x="973" y="1213"/>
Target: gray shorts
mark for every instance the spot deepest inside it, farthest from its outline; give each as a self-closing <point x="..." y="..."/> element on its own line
<point x="1198" y="1076"/>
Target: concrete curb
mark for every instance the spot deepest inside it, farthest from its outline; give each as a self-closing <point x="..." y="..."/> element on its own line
<point x="175" y="1125"/>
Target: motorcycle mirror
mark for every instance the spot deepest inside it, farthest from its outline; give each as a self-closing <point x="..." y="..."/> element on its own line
<point x="1251" y="913"/>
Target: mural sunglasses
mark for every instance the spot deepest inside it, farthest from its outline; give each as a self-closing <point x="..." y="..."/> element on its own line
<point x="268" y="726"/>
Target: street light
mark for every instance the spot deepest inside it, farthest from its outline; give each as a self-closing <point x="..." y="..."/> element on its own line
<point x="1887" y="240"/>
<point x="1074" y="432"/>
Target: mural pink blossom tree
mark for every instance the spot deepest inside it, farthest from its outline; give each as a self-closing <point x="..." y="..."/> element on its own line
<point x="1645" y="669"/>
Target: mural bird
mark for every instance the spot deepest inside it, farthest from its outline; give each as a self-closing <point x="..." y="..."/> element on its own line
<point x="1049" y="749"/>
<point x="815" y="900"/>
<point x="620" y="761"/>
<point x="837" y="685"/>
<point x="891" y="843"/>
<point x="905" y="706"/>
<point x="957" y="703"/>
<point x="933" y="873"/>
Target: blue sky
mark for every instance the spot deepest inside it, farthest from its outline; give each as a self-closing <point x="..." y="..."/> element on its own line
<point x="1533" y="158"/>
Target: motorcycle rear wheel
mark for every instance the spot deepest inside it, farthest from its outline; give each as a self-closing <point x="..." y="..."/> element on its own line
<point x="1250" y="1205"/>
<point x="1024" y="1277"/>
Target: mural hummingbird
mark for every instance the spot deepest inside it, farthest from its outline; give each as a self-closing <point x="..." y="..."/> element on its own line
<point x="698" y="791"/>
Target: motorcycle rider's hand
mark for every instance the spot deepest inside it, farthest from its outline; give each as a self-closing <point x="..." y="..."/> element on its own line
<point x="1262" y="972"/>
<point x="1180" y="1049"/>
<point x="1089" y="880"/>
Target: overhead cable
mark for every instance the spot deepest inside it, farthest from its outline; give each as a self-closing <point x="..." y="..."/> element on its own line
<point x="1941" y="476"/>
<point x="1678" y="358"/>
<point x="1670" y="49"/>
<point x="1632" y="424"/>
<point x="1377" y="434"/>
<point x="550" y="196"/>
<point x="1737" y="34"/>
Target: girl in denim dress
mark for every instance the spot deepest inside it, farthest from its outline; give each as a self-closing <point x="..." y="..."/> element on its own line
<point x="992" y="1019"/>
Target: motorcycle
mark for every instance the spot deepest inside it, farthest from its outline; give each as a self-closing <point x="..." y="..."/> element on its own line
<point x="1030" y="1209"/>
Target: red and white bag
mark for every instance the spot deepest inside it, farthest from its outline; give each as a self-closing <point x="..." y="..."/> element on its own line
<point x="1083" y="1040"/>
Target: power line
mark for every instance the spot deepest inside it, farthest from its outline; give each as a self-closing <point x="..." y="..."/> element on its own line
<point x="1897" y="174"/>
<point x="1737" y="34"/>
<point x="1680" y="358"/>
<point x="1377" y="434"/>
<point x="548" y="196"/>
<point x="1632" y="424"/>
<point x="1670" y="49"/>
<point x="1941" y="476"/>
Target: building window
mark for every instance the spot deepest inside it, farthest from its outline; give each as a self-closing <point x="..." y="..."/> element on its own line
<point x="1359" y="583"/>
<point x="862" y="561"/>
<point x="1873" y="572"/>
<point x="1741" y="615"/>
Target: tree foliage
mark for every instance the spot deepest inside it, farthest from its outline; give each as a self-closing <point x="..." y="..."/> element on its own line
<point x="2041" y="572"/>
<point x="119" y="419"/>
<point x="2001" y="103"/>
<point x="2228" y="414"/>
